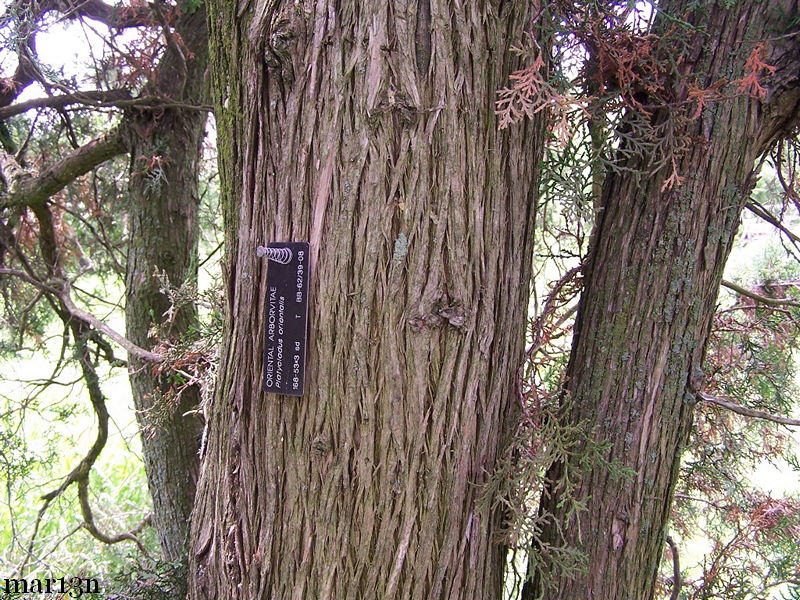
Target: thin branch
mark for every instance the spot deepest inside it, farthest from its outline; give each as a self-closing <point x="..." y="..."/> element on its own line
<point x="550" y="307"/>
<point x="84" y="316"/>
<point x="91" y="527"/>
<point x="99" y="236"/>
<point x="211" y="254"/>
<point x="749" y="412"/>
<point x="676" y="570"/>
<point x="733" y="309"/>
<point x="81" y="473"/>
<point x="108" y="352"/>
<point x="82" y="469"/>
<point x="96" y="99"/>
<point x="154" y="102"/>
<point x="681" y="496"/>
<point x="60" y="541"/>
<point x="62" y="294"/>
<point x="69" y="127"/>
<point x="31" y="130"/>
<point x="761" y="212"/>
<point x="759" y="298"/>
<point x="28" y="279"/>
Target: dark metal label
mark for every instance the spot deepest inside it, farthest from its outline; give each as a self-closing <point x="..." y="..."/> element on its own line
<point x="286" y="318"/>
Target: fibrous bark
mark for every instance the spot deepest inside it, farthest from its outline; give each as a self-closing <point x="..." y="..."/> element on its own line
<point x="651" y="284"/>
<point x="367" y="128"/>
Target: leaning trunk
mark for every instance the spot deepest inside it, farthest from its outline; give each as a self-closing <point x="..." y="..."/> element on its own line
<point x="650" y="288"/>
<point x="367" y="128"/>
<point x="163" y="200"/>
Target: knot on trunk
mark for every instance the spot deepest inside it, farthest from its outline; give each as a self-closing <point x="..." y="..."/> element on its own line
<point x="452" y="314"/>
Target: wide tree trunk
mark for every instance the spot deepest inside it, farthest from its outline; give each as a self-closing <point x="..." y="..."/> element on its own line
<point x="165" y="148"/>
<point x="650" y="289"/>
<point x="367" y="128"/>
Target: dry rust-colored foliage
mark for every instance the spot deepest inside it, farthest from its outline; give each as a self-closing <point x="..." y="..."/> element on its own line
<point x="627" y="75"/>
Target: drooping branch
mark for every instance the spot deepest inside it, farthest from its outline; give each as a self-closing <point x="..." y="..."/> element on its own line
<point x="80" y="473"/>
<point x="91" y="526"/>
<point x="761" y="212"/>
<point x="676" y="569"/>
<point x="34" y="190"/>
<point x="748" y="412"/>
<point x="777" y="302"/>
<point x="108" y="331"/>
<point x="60" y="290"/>
<point x="81" y="470"/>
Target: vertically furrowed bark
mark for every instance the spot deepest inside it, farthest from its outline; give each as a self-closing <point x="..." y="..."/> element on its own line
<point x="367" y="128"/>
<point x="650" y="289"/>
<point x="163" y="199"/>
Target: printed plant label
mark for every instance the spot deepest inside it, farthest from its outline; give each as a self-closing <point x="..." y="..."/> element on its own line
<point x="286" y="317"/>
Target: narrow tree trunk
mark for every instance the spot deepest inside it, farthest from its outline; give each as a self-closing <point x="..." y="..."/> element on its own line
<point x="165" y="150"/>
<point x="650" y="290"/>
<point x="367" y="127"/>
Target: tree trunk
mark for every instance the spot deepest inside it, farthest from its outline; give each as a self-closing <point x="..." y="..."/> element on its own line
<point x="165" y="150"/>
<point x="367" y="128"/>
<point x="650" y="290"/>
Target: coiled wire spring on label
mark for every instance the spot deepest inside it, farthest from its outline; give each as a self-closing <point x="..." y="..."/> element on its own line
<point x="278" y="255"/>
